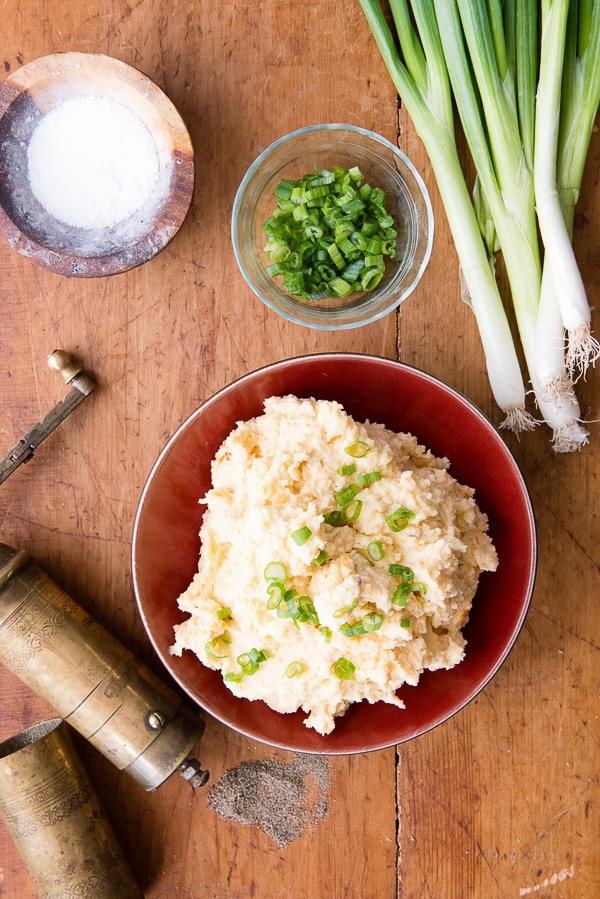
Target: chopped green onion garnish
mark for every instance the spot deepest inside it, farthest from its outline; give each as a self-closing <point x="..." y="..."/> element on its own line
<point x="301" y="535"/>
<point x="400" y="595"/>
<point x="284" y="189"/>
<point x="372" y="622"/>
<point x="408" y="584"/>
<point x="358" y="450"/>
<point x="346" y="495"/>
<point x="325" y="632"/>
<point x="352" y="630"/>
<point x="293" y="669"/>
<point x="375" y="550"/>
<point x="298" y="608"/>
<point x="234" y="676"/>
<point x="333" y="518"/>
<point x="249" y="661"/>
<point x="367" y="624"/>
<point x="345" y="610"/>
<point x="275" y="571"/>
<point x="346" y="470"/>
<point x="368" y="478"/>
<point x="405" y="622"/>
<point x="399" y="519"/>
<point x="214" y="651"/>
<point x="307" y="610"/>
<point x="314" y="222"/>
<point x="224" y="613"/>
<point x="370" y="278"/>
<point x="344" y="669"/>
<point x="321" y="558"/>
<point x="352" y="510"/>
<point x="341" y="288"/>
<point x="276" y="593"/>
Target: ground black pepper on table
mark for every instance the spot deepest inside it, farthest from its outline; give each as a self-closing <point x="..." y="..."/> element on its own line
<point x="283" y="799"/>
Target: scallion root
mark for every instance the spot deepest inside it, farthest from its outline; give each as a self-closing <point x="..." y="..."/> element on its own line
<point x="570" y="438"/>
<point x="518" y="420"/>
<point x="583" y="349"/>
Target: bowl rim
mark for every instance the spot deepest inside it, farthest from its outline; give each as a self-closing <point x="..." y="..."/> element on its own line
<point x="394" y="301"/>
<point x="170" y="215"/>
<point x="530" y="526"/>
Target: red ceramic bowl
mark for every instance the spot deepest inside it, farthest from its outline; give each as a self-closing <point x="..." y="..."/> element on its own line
<point x="166" y="543"/>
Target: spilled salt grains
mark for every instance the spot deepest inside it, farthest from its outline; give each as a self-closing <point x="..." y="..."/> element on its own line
<point x="92" y="162"/>
<point x="283" y="799"/>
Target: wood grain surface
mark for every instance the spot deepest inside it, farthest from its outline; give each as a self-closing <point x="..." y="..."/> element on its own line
<point x="503" y="800"/>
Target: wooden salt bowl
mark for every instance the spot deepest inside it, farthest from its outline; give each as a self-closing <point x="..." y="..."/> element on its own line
<point x="33" y="91"/>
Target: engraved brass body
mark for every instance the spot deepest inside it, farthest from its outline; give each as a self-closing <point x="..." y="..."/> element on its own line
<point x="91" y="680"/>
<point x="55" y="818"/>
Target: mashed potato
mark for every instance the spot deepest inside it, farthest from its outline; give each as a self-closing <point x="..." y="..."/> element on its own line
<point x="338" y="561"/>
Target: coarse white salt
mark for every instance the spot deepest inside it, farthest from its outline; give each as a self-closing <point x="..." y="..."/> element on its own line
<point x="92" y="162"/>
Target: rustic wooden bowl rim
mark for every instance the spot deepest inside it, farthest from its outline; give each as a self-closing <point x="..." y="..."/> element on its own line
<point x="32" y="91"/>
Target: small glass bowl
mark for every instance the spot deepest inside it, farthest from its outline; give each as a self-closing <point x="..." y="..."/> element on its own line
<point x="383" y="165"/>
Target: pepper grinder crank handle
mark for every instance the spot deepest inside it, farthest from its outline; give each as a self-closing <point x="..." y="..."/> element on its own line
<point x="92" y="681"/>
<point x="81" y="387"/>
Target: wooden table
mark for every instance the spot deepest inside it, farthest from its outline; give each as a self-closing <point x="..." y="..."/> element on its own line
<point x="502" y="801"/>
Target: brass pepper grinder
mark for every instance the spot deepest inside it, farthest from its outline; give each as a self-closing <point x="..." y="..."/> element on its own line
<point x="91" y="680"/>
<point x="55" y="818"/>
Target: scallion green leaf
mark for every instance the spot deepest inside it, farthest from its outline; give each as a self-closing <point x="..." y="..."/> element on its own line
<point x="411" y="48"/>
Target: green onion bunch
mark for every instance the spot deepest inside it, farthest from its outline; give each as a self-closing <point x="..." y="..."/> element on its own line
<point x="524" y="78"/>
